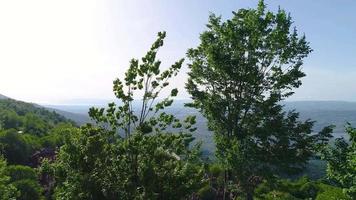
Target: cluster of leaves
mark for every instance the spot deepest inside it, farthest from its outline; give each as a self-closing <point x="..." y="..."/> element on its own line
<point x="147" y="78"/>
<point x="127" y="153"/>
<point x="25" y="129"/>
<point x="240" y="72"/>
<point x="341" y="159"/>
<point x="94" y="164"/>
<point x="7" y="190"/>
<point x="302" y="188"/>
<point x="270" y="189"/>
<point x="18" y="182"/>
<point x="18" y="147"/>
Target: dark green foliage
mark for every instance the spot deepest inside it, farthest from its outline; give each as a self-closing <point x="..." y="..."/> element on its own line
<point x="7" y="190"/>
<point x="328" y="192"/>
<point x="56" y="136"/>
<point x="26" y="128"/>
<point x="29" y="189"/>
<point x="19" y="172"/>
<point x="303" y="188"/>
<point x="240" y="72"/>
<point x="9" y="119"/>
<point x="207" y="193"/>
<point x="341" y="159"/>
<point x="14" y="147"/>
<point x="35" y="125"/>
<point x="160" y="169"/>
<point x="25" y="180"/>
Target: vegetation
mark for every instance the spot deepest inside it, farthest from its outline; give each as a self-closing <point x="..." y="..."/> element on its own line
<point x="239" y="74"/>
<point x="127" y="155"/>
<point x="341" y="159"/>
<point x="7" y="190"/>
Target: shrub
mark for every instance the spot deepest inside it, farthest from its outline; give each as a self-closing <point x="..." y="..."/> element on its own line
<point x="29" y="190"/>
<point x="20" y="172"/>
<point x="207" y="193"/>
<point x="328" y="192"/>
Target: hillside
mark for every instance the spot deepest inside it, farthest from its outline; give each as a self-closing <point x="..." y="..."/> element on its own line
<point x="26" y="129"/>
<point x="3" y="97"/>
<point x="28" y="117"/>
<point x="324" y="113"/>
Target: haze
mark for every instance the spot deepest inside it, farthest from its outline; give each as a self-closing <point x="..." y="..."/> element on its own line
<point x="57" y="51"/>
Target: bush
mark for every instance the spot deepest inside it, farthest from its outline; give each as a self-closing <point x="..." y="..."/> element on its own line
<point x="29" y="190"/>
<point x="15" y="149"/>
<point x="308" y="190"/>
<point x="207" y="193"/>
<point x="7" y="190"/>
<point x="215" y="170"/>
<point x="328" y="192"/>
<point x="20" y="172"/>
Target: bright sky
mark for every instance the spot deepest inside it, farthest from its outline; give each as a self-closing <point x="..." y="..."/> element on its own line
<point x="57" y="51"/>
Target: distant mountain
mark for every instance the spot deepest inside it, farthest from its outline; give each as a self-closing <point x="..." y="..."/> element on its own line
<point x="3" y="97"/>
<point x="321" y="105"/>
<point x="78" y="118"/>
<point x="323" y="112"/>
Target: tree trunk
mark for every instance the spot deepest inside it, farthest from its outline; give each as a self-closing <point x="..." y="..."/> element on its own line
<point x="225" y="181"/>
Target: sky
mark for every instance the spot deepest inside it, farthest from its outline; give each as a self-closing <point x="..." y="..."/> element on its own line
<point x="64" y="51"/>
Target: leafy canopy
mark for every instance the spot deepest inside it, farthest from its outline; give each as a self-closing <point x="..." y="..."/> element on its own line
<point x="341" y="159"/>
<point x="127" y="153"/>
<point x="239" y="73"/>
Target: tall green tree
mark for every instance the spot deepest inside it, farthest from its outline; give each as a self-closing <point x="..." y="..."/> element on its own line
<point x="239" y="74"/>
<point x="14" y="147"/>
<point x="341" y="159"/>
<point x="132" y="154"/>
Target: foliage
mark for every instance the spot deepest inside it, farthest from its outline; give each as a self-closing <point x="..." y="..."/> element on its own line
<point x="302" y="188"/>
<point x="328" y="192"/>
<point x="29" y="189"/>
<point x="20" y="172"/>
<point x="25" y="179"/>
<point x="341" y="159"/>
<point x="128" y="154"/>
<point x="207" y="193"/>
<point x="28" y="117"/>
<point x="241" y="71"/>
<point x="56" y="136"/>
<point x="277" y="195"/>
<point x="7" y="190"/>
<point x="14" y="147"/>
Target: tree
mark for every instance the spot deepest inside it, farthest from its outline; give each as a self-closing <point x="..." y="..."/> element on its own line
<point x="14" y="147"/>
<point x="35" y="125"/>
<point x="7" y="190"/>
<point x="239" y="74"/>
<point x="131" y="154"/>
<point x="29" y="189"/>
<point x="341" y="160"/>
<point x="25" y="179"/>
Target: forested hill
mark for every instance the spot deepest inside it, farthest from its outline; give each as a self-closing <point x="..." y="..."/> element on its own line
<point x="26" y="129"/>
<point x="3" y="97"/>
<point x="28" y="117"/>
